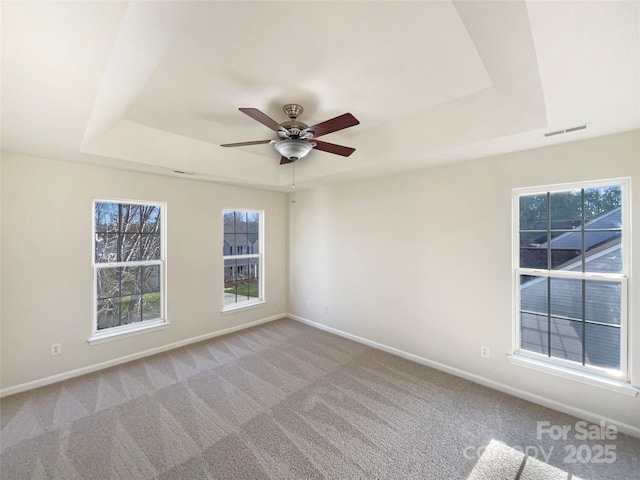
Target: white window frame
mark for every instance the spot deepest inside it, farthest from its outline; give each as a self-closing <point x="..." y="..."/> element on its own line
<point x="122" y="331"/>
<point x="563" y="366"/>
<point x="260" y="256"/>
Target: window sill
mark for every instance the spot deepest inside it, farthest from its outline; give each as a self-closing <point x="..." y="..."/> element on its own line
<point x="117" y="333"/>
<point x="242" y="306"/>
<point x="611" y="384"/>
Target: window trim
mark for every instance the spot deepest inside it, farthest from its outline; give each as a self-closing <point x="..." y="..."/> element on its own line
<point x="558" y="365"/>
<point x="123" y="331"/>
<point x="238" y="306"/>
<point x="608" y="383"/>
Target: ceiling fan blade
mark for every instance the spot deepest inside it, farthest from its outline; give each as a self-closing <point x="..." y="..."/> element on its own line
<point x="240" y="144"/>
<point x="345" y="120"/>
<point x="262" y="118"/>
<point x="285" y="160"/>
<point x="333" y="148"/>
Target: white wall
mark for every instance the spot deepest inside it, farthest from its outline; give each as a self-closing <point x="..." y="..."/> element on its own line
<point x="47" y="252"/>
<point x="421" y="262"/>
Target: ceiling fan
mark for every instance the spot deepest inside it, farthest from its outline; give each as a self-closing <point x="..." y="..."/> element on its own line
<point x="296" y="138"/>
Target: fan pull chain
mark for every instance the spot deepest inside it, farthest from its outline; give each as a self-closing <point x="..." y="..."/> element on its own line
<point x="293" y="182"/>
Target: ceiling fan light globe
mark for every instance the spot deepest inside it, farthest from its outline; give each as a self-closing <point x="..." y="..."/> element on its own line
<point x="293" y="148"/>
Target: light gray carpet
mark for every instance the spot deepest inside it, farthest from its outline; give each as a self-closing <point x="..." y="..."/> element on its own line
<point x="285" y="400"/>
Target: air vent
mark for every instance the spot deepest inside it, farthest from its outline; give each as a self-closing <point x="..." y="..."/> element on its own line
<point x="566" y="130"/>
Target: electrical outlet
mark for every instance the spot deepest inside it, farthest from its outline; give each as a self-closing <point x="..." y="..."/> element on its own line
<point x="325" y="309"/>
<point x="309" y="304"/>
<point x="485" y="352"/>
<point x="275" y="301"/>
<point x="56" y="349"/>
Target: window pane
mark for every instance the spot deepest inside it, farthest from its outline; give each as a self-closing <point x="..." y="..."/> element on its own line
<point x="108" y="313"/>
<point x="150" y="246"/>
<point x="229" y="221"/>
<point x="534" y="333"/>
<point x="108" y="282"/>
<point x="129" y="248"/>
<point x="242" y="269"/>
<point x="566" y="258"/>
<point x="602" y="346"/>
<point x="533" y="294"/>
<point x="533" y="250"/>
<point x="603" y="301"/>
<point x="566" y="339"/>
<point x="600" y="201"/>
<point x="106" y="217"/>
<point x="605" y="260"/>
<point x="229" y="244"/>
<point x="242" y="244"/>
<point x="241" y="222"/>
<point x="566" y="209"/>
<point x="253" y="219"/>
<point x="151" y="306"/>
<point x="131" y="283"/>
<point x="151" y="279"/>
<point x="130" y="309"/>
<point x="230" y="263"/>
<point x="254" y="245"/>
<point x="106" y="248"/>
<point x="150" y="219"/>
<point x="533" y="212"/>
<point x="130" y="218"/>
<point x="566" y="297"/>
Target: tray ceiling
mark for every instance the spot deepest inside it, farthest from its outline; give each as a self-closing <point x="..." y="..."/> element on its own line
<point x="156" y="86"/>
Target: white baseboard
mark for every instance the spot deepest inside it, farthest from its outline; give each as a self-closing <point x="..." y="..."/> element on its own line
<point x="501" y="387"/>
<point x="23" y="387"/>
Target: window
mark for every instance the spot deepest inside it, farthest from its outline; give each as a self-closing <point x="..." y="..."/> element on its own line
<point x="242" y="256"/>
<point x="571" y="270"/>
<point x="128" y="266"/>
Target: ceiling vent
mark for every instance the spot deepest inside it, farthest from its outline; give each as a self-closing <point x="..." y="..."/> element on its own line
<point x="566" y="130"/>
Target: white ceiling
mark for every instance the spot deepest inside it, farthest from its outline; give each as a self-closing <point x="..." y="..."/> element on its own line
<point x="156" y="86"/>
